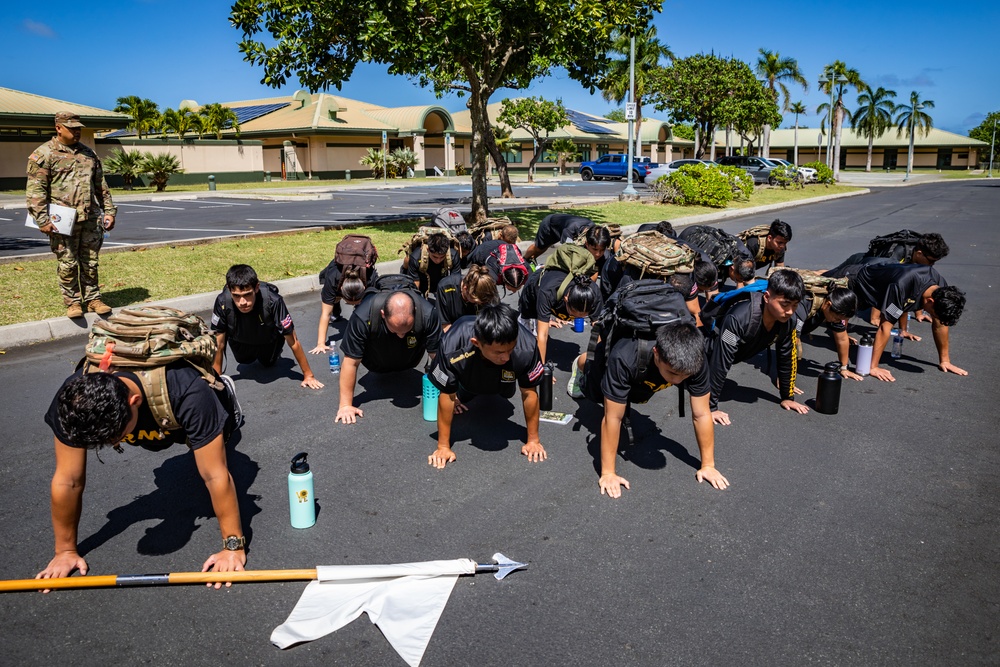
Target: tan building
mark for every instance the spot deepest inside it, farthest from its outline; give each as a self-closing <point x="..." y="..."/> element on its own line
<point x="27" y="121"/>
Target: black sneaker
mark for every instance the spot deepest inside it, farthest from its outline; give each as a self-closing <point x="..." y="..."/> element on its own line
<point x="230" y="386"/>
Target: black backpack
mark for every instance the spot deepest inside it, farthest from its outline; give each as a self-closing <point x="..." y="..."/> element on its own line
<point x="898" y="246"/>
<point x="720" y="246"/>
<point x="384" y="287"/>
<point x="268" y="297"/>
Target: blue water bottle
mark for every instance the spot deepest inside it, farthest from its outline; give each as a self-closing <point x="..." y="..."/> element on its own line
<point x="334" y="357"/>
<point x="301" y="502"/>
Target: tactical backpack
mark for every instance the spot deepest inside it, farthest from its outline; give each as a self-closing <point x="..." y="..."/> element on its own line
<point x="898" y="246"/>
<point x="489" y="230"/>
<point x="355" y="250"/>
<point x="268" y="294"/>
<point x="450" y="220"/>
<point x="817" y="285"/>
<point x="144" y="340"/>
<point x="384" y="287"/>
<point x="759" y="232"/>
<point x="505" y="256"/>
<point x="575" y="260"/>
<point x="721" y="247"/>
<point x="655" y="255"/>
<point x="419" y="241"/>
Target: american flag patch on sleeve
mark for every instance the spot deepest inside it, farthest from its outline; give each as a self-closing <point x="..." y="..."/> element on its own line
<point x="893" y="311"/>
<point x="730" y="338"/>
<point x="287" y="322"/>
<point x="536" y="372"/>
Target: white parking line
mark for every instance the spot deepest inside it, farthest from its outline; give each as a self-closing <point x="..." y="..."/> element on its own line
<point x="200" y="229"/>
<point x="224" y="203"/>
<point x="358" y="194"/>
<point x="295" y="220"/>
<point x="169" y="208"/>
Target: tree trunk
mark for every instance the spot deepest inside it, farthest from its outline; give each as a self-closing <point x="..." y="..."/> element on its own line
<point x="765" y="151"/>
<point x="534" y="158"/>
<point x="491" y="145"/>
<point x="835" y="162"/>
<point x="697" y="146"/>
<point x="729" y="140"/>
<point x="871" y="144"/>
<point x="480" y="137"/>
<point x="711" y="133"/>
<point x="796" y="155"/>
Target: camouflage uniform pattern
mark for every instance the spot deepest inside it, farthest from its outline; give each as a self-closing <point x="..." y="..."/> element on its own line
<point x="71" y="176"/>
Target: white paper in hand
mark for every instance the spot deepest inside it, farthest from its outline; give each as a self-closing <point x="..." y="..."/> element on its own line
<point x="61" y="217"/>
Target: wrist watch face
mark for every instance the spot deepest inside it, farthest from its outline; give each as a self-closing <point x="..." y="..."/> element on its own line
<point x="233" y="543"/>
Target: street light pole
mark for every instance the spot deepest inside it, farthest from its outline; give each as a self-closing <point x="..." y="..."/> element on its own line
<point x="629" y="191"/>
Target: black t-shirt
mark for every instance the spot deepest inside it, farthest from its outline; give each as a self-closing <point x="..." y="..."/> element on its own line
<point x="461" y="365"/>
<point x="487" y="254"/>
<point x="762" y="260"/>
<point x="435" y="272"/>
<point x="450" y="304"/>
<point x="621" y="381"/>
<point x="538" y="298"/>
<point x="560" y="227"/>
<point x="367" y="338"/>
<point x="193" y="401"/>
<point x="808" y="324"/>
<point x="255" y="327"/>
<point x="894" y="288"/>
<point x="330" y="277"/>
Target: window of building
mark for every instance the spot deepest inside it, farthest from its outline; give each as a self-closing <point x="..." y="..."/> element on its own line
<point x="602" y="150"/>
<point x="514" y="156"/>
<point x="584" y="152"/>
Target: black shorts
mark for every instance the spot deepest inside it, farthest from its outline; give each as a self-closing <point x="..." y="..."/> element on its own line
<point x="267" y="354"/>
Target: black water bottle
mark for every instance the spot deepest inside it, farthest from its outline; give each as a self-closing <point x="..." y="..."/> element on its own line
<point x="545" y="389"/>
<point x="828" y="389"/>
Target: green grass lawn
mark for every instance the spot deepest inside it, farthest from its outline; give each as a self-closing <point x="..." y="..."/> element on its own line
<point x="134" y="276"/>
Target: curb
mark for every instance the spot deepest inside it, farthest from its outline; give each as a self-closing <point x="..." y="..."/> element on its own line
<point x="56" y="328"/>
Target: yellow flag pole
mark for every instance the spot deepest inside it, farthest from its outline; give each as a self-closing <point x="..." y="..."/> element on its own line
<point x="123" y="580"/>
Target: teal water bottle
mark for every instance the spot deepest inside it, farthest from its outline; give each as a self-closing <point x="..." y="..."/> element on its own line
<point x="301" y="502"/>
<point x="430" y="400"/>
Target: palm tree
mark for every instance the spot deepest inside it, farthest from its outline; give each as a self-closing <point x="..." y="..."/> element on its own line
<point x="404" y="160"/>
<point x="181" y="122"/>
<point x="615" y="84"/>
<point x="873" y="116"/>
<point x="215" y="118"/>
<point x="847" y="77"/>
<point x="160" y="168"/>
<point x="145" y="113"/>
<point x="375" y="158"/>
<point x="797" y="108"/>
<point x="912" y="119"/>
<point x="566" y="150"/>
<point x="127" y="164"/>
<point x="775" y="71"/>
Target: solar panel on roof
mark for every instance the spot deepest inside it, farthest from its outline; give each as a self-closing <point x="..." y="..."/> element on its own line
<point x="586" y="124"/>
<point x="247" y="114"/>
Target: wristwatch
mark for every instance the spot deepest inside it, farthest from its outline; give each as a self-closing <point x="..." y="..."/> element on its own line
<point x="234" y="543"/>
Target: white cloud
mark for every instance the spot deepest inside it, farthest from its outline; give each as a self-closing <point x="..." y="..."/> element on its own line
<point x="40" y="29"/>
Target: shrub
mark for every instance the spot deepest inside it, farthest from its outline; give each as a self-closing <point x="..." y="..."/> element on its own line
<point x="404" y="160"/>
<point x="127" y="164"/>
<point x="785" y="176"/>
<point x="374" y="159"/>
<point x="160" y="168"/>
<point x="823" y="173"/>
<point x="740" y="181"/>
<point x="460" y="169"/>
<point x="695" y="185"/>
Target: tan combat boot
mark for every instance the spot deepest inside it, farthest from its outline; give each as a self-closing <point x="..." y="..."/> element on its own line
<point x="74" y="311"/>
<point x="98" y="306"/>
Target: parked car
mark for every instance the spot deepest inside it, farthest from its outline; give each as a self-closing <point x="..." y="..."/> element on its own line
<point x="757" y="167"/>
<point x="671" y="167"/>
<point x="808" y="173"/>
<point x="613" y="166"/>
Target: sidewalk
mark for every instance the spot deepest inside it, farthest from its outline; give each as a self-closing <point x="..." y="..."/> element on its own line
<point x="27" y="333"/>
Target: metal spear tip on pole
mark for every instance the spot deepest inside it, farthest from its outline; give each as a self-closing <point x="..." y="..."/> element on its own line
<point x="502" y="566"/>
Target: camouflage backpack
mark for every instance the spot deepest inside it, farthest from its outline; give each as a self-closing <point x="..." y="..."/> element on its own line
<point x="817" y="285"/>
<point x="655" y="255"/>
<point x="575" y="260"/>
<point x="489" y="230"/>
<point x="144" y="340"/>
<point x="760" y="233"/>
<point x="419" y="240"/>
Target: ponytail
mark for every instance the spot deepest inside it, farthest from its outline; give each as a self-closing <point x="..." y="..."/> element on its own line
<point x="352" y="287"/>
<point x="479" y="287"/>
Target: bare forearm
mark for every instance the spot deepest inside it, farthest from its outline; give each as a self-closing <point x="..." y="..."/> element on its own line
<point x="940" y="333"/>
<point x="67" y="506"/>
<point x="300" y="355"/>
<point x="529" y="401"/>
<point x="611" y="427"/>
<point x="881" y="340"/>
<point x="223" y="493"/>
<point x="843" y="342"/>
<point x="220" y="352"/>
<point x="348" y="378"/>
<point x="446" y="412"/>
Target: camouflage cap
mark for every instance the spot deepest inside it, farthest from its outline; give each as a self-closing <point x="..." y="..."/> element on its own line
<point x="68" y="119"/>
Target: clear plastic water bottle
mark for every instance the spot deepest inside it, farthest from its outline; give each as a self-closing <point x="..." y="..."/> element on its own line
<point x="334" y="358"/>
<point x="897" y="343"/>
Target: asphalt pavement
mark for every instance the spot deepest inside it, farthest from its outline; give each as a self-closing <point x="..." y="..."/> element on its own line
<point x="866" y="537"/>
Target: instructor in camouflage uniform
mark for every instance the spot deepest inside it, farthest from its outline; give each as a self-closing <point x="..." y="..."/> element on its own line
<point x="65" y="172"/>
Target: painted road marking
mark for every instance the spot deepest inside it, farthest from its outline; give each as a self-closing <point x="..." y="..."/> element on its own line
<point x="168" y="208"/>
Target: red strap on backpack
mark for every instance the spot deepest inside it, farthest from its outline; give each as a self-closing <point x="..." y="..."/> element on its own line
<point x="109" y="350"/>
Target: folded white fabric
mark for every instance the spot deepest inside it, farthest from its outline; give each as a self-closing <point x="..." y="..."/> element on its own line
<point x="404" y="600"/>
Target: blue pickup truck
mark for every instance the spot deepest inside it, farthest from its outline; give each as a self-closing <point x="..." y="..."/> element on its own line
<point x="613" y="166"/>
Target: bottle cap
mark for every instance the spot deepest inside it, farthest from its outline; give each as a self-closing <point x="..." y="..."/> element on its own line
<point x="299" y="464"/>
<point x="832" y="367"/>
<point x="867" y="340"/>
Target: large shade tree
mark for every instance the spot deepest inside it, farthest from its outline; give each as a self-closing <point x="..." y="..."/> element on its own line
<point x="873" y="116"/>
<point x="986" y="131"/>
<point x="776" y="71"/>
<point x="911" y="120"/>
<point x="649" y="53"/>
<point x="473" y="47"/>
<point x="145" y="114"/>
<point x="536" y="116"/>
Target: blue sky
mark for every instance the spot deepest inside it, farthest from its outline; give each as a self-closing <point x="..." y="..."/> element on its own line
<point x="168" y="51"/>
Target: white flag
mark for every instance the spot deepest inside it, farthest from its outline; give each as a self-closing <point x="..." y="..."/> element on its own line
<point x="404" y="600"/>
